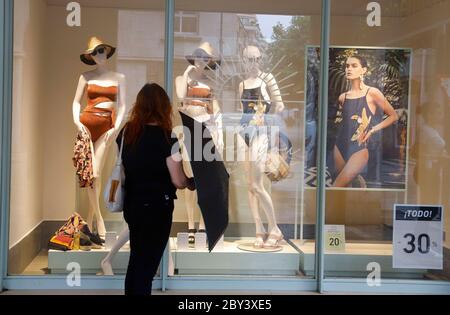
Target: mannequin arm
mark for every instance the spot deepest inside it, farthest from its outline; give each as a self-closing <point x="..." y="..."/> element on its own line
<point x="275" y="93"/>
<point x="121" y="106"/>
<point x="218" y="123"/>
<point x="241" y="90"/>
<point x="181" y="88"/>
<point x="181" y="83"/>
<point x="76" y="106"/>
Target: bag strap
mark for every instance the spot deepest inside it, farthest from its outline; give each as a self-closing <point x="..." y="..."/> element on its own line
<point x="119" y="158"/>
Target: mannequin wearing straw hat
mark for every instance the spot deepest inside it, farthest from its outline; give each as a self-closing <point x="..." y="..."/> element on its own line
<point x="259" y="92"/>
<point x="197" y="100"/>
<point x="102" y="117"/>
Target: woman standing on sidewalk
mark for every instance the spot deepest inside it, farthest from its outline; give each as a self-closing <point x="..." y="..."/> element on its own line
<point x="153" y="172"/>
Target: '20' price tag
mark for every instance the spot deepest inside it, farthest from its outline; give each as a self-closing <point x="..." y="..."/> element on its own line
<point x="335" y="238"/>
<point x="417" y="237"/>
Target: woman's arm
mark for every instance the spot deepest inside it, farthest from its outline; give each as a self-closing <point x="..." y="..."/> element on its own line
<point x="386" y="107"/>
<point x="179" y="178"/>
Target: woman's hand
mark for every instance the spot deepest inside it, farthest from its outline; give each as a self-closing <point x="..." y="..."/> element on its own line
<point x="365" y="136"/>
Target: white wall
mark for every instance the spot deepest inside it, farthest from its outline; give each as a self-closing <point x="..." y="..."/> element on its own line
<point x="27" y="177"/>
<point x="63" y="45"/>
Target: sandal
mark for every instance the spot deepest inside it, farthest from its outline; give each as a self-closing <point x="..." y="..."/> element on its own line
<point x="273" y="241"/>
<point x="192" y="236"/>
<point x="259" y="241"/>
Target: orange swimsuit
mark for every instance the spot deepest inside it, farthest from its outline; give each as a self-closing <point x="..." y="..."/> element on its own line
<point x="200" y="96"/>
<point x="99" y="120"/>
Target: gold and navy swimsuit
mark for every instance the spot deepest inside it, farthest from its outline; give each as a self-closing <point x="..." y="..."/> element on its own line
<point x="357" y="118"/>
<point x="254" y="110"/>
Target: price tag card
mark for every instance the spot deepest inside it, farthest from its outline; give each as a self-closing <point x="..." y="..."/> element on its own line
<point x="182" y="241"/>
<point x="417" y="241"/>
<point x="335" y="238"/>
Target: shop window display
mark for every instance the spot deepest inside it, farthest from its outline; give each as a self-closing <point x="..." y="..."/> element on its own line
<point x="252" y="94"/>
<point x="250" y="74"/>
<point x="372" y="152"/>
<point x="230" y="80"/>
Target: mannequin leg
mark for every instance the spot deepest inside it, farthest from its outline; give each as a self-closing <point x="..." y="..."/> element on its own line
<point x="190" y="199"/>
<point x="124" y="237"/>
<point x="101" y="147"/>
<point x="257" y="186"/>
<point x="94" y="209"/>
<point x="191" y="204"/>
<point x="201" y="226"/>
<point x="253" y="199"/>
<point x="265" y="200"/>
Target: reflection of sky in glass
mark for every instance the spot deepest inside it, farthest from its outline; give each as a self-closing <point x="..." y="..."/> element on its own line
<point x="267" y="22"/>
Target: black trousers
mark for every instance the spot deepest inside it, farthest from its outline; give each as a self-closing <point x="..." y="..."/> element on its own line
<point x="149" y="225"/>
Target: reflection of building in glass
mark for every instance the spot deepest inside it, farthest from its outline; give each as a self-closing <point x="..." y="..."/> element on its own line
<point x="141" y="57"/>
<point x="186" y="23"/>
<point x="249" y="32"/>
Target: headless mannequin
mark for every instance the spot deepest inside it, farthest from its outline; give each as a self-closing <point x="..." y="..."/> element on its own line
<point x="100" y="76"/>
<point x="196" y="73"/>
<point x="259" y="198"/>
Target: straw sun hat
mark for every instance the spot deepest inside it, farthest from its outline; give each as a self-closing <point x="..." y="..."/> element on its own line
<point x="93" y="44"/>
<point x="206" y="52"/>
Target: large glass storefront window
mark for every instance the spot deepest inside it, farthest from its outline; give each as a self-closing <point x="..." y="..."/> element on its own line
<point x="387" y="144"/>
<point x="254" y="88"/>
<point x="244" y="70"/>
<point x="249" y="73"/>
<point x="52" y="42"/>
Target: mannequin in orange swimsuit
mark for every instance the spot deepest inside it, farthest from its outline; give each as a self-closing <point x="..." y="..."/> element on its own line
<point x="197" y="101"/>
<point x="102" y="117"/>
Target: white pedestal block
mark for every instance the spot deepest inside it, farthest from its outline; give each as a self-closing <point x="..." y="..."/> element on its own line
<point x="89" y="261"/>
<point x="230" y="260"/>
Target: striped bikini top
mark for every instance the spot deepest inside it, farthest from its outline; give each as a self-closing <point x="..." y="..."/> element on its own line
<point x="97" y="94"/>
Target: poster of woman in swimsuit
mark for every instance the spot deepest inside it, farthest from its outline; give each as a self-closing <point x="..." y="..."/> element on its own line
<point x="368" y="109"/>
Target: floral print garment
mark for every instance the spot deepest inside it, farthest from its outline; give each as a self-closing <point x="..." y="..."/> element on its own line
<point x="82" y="160"/>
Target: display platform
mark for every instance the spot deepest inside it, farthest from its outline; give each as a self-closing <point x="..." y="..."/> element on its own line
<point x="89" y="261"/>
<point x="353" y="262"/>
<point x="228" y="259"/>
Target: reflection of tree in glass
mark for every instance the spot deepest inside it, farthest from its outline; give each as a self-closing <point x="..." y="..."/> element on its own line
<point x="289" y="45"/>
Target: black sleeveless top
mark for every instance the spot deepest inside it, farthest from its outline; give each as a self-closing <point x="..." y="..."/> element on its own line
<point x="147" y="177"/>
